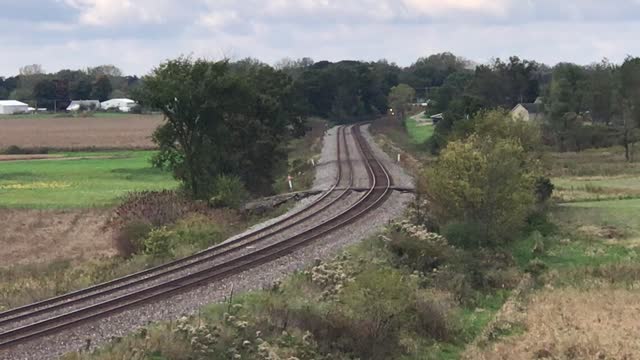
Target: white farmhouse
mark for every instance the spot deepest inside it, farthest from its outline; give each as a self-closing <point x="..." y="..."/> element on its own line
<point x="10" y="107"/>
<point x="527" y="112"/>
<point x="124" y="105"/>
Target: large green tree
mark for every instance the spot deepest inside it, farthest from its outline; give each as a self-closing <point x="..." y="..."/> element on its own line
<point x="222" y="119"/>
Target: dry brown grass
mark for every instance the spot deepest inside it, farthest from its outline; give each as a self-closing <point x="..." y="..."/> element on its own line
<point x="121" y="132"/>
<point x="43" y="236"/>
<point x="575" y="324"/>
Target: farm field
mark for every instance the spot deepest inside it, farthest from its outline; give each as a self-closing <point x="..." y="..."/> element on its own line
<point x="594" y="175"/>
<point x="31" y="236"/>
<point x="82" y="180"/>
<point x="589" y="291"/>
<point x="102" y="131"/>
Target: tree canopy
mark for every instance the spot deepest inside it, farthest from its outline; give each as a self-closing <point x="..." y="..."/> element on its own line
<point x="222" y="119"/>
<point x="484" y="182"/>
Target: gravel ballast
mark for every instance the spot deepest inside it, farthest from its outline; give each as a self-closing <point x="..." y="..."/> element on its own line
<point x="257" y="278"/>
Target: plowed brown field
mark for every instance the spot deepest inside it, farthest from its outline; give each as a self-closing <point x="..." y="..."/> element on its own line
<point x="118" y="132"/>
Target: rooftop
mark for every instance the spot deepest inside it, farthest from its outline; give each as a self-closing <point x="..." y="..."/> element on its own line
<point x="532" y="108"/>
<point x="12" y="102"/>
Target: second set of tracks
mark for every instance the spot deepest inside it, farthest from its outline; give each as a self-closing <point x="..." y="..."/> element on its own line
<point x="329" y="212"/>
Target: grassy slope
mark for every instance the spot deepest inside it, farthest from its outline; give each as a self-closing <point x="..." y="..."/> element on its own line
<point x="417" y="132"/>
<point x="81" y="183"/>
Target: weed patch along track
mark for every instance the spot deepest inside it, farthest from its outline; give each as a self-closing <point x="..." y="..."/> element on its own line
<point x="51" y="316"/>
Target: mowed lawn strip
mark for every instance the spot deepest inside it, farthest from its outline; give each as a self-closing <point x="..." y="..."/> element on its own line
<point x="419" y="133"/>
<point x="92" y="180"/>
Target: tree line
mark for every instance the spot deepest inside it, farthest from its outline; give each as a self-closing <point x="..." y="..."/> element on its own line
<point x="588" y="106"/>
<point x="56" y="90"/>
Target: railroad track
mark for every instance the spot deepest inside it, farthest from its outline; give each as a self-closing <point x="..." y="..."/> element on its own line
<point x="56" y="314"/>
<point x="343" y="183"/>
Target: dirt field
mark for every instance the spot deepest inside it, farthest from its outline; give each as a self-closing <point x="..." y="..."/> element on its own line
<point x="121" y="132"/>
<point x="35" y="236"/>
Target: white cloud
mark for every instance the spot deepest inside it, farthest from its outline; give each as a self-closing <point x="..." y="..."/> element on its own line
<point x="219" y="19"/>
<point x="448" y="7"/>
<point x="114" y="12"/>
<point x="400" y="30"/>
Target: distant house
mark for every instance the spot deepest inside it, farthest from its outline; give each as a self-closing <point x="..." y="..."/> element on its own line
<point x="77" y="105"/>
<point x="437" y="118"/>
<point x="124" y="105"/>
<point x="10" y="107"/>
<point x="528" y="111"/>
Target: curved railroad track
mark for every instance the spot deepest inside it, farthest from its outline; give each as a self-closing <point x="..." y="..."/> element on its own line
<point x="54" y="315"/>
<point x="329" y="198"/>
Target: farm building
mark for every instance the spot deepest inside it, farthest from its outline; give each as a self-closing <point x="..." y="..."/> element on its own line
<point x="528" y="112"/>
<point x="9" y="107"/>
<point x="124" y="105"/>
<point x="76" y="105"/>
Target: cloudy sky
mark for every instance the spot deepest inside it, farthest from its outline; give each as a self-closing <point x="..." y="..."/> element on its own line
<point x="138" y="34"/>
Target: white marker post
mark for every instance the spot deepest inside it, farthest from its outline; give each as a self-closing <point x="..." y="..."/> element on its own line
<point x="290" y="179"/>
<point x="313" y="162"/>
<point x="399" y="158"/>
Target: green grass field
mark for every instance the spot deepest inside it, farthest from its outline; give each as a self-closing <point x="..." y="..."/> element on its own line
<point x="417" y="132"/>
<point x="95" y="180"/>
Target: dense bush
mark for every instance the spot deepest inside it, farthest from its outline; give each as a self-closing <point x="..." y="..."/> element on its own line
<point x="160" y="242"/>
<point x="464" y="274"/>
<point x="482" y="181"/>
<point x="229" y="192"/>
<point x="192" y="224"/>
<point x="129" y="239"/>
<point x="198" y="231"/>
<point x="157" y="208"/>
<point x="434" y="315"/>
<point x="464" y="234"/>
<point x="418" y="248"/>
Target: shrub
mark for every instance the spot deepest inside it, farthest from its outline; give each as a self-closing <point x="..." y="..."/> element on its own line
<point x="536" y="267"/>
<point x="434" y="315"/>
<point x="483" y="181"/>
<point x="377" y="306"/>
<point x="157" y="208"/>
<point x="464" y="234"/>
<point x="539" y="221"/>
<point x="129" y="238"/>
<point x="419" y="249"/>
<point x="199" y="231"/>
<point x="544" y="189"/>
<point x="160" y="242"/>
<point x="229" y="192"/>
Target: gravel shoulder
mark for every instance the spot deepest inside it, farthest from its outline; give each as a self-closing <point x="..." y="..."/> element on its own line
<point x="257" y="278"/>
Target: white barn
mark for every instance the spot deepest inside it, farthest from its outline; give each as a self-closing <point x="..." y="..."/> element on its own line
<point x="124" y="105"/>
<point x="9" y="107"/>
<point x="76" y="105"/>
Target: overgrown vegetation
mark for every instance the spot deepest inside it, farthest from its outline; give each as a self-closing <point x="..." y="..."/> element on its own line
<point x="149" y="228"/>
<point x="386" y="298"/>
